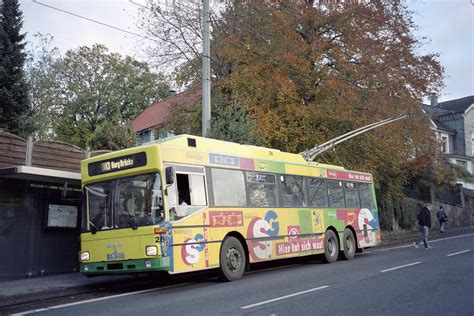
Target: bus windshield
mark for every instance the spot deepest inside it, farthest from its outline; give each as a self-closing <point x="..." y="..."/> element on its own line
<point x="123" y="203"/>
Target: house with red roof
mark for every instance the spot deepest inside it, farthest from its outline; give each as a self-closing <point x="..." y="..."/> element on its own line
<point x="155" y="116"/>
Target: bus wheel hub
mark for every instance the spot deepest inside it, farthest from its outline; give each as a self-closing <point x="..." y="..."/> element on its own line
<point x="233" y="259"/>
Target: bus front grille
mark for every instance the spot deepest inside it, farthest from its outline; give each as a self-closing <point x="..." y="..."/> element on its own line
<point x="114" y="266"/>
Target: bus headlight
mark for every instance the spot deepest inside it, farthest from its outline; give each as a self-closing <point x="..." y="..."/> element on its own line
<point x="84" y="256"/>
<point x="151" y="250"/>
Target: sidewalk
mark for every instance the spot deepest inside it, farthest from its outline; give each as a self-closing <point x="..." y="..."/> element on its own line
<point x="395" y="238"/>
<point x="52" y="282"/>
<point x="25" y="290"/>
<point x="41" y="288"/>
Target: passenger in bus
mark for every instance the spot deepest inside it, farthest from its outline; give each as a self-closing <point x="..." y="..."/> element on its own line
<point x="182" y="209"/>
<point x="258" y="196"/>
<point x="298" y="199"/>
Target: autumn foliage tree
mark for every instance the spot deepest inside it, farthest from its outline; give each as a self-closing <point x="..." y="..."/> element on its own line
<point x="306" y="73"/>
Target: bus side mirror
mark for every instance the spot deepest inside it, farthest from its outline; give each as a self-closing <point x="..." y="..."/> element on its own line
<point x="169" y="173"/>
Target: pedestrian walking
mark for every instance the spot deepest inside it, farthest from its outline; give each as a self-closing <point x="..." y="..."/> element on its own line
<point x="442" y="218"/>
<point x="424" y="224"/>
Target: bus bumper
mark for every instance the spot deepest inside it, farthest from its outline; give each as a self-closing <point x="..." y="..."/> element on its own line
<point x="126" y="266"/>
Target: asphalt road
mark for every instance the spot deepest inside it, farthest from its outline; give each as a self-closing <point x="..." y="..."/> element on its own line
<point x="398" y="280"/>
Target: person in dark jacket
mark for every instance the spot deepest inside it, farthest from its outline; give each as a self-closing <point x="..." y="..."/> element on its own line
<point x="442" y="218"/>
<point x="424" y="224"/>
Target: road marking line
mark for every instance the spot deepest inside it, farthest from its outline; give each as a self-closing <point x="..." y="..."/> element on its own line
<point x="94" y="300"/>
<point x="411" y="244"/>
<point x="399" y="267"/>
<point x="458" y="253"/>
<point x="274" y="268"/>
<point x="285" y="297"/>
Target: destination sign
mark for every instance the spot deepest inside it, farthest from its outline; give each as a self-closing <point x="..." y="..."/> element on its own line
<point x="117" y="164"/>
<point x="343" y="175"/>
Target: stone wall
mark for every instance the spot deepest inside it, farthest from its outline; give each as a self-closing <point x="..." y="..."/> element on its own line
<point x="458" y="216"/>
<point x="400" y="213"/>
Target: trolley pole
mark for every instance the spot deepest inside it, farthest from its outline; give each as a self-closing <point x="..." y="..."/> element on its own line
<point x="206" y="70"/>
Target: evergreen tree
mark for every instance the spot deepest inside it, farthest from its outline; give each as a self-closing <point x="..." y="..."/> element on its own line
<point x="234" y="124"/>
<point x="112" y="134"/>
<point x="14" y="103"/>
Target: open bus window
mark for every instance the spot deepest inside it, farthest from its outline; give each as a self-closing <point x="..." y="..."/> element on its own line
<point x="184" y="194"/>
<point x="124" y="203"/>
<point x="190" y="196"/>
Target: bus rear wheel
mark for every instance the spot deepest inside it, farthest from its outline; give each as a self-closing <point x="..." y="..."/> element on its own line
<point x="331" y="247"/>
<point x="232" y="260"/>
<point x="348" y="245"/>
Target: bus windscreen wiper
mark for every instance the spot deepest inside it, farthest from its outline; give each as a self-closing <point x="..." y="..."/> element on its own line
<point x="131" y="221"/>
<point x="129" y="218"/>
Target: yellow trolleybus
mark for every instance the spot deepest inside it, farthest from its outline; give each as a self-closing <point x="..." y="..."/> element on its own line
<point x="189" y="203"/>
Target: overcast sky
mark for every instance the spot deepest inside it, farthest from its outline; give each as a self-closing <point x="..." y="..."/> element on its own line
<point x="449" y="24"/>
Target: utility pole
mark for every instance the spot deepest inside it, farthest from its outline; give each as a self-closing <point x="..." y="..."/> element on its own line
<point x="206" y="70"/>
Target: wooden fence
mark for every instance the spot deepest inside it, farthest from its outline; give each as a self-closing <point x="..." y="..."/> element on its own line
<point x="16" y="151"/>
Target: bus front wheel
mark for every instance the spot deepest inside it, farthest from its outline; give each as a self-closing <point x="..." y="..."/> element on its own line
<point x="349" y="245"/>
<point x="331" y="246"/>
<point x="232" y="260"/>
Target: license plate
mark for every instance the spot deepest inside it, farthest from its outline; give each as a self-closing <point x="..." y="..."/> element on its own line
<point x="115" y="256"/>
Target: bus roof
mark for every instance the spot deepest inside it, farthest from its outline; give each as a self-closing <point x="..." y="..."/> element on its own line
<point x="206" y="151"/>
<point x="225" y="147"/>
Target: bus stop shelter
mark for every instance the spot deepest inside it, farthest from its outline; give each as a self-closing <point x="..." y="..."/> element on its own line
<point x="40" y="206"/>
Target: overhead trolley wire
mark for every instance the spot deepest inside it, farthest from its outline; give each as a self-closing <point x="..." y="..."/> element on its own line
<point x="92" y="20"/>
<point x="337" y="156"/>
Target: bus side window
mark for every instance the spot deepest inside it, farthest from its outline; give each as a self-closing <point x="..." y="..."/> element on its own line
<point x="292" y="190"/>
<point x="351" y="195"/>
<point x="365" y="195"/>
<point x="183" y="188"/>
<point x="318" y="195"/>
<point x="228" y="187"/>
<point x="191" y="195"/>
<point x="197" y="189"/>
<point x="335" y="193"/>
<point x="261" y="189"/>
